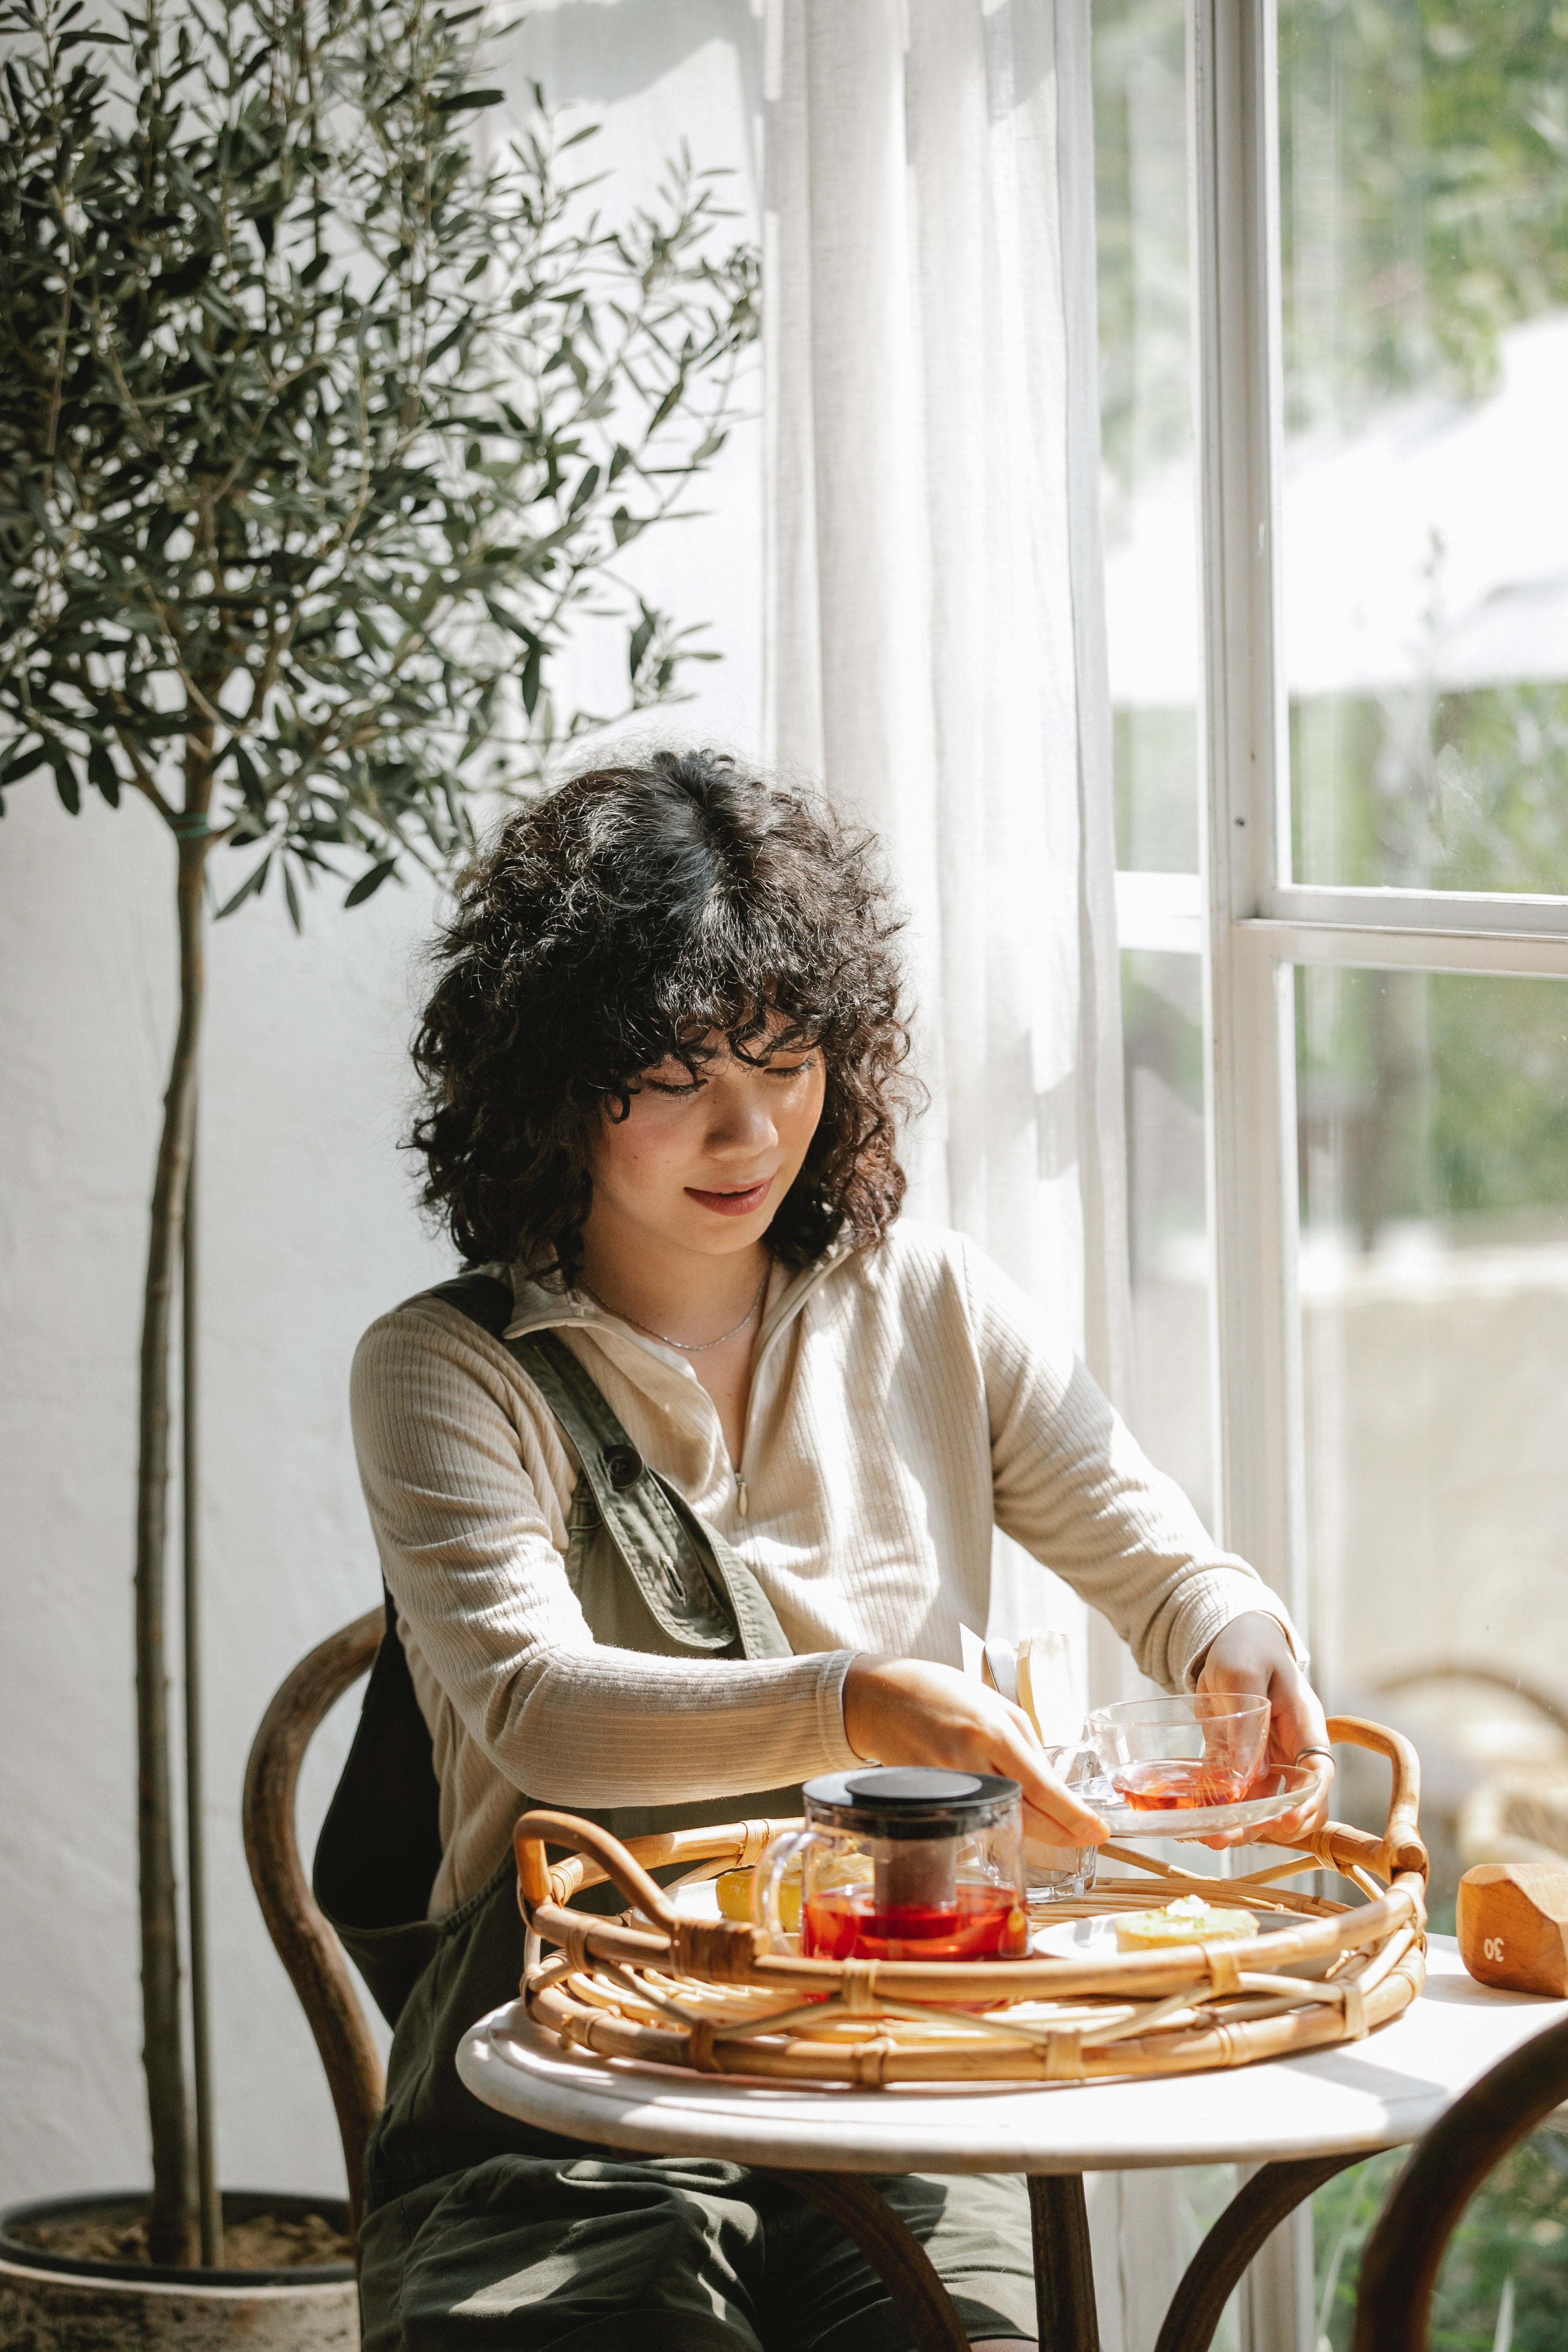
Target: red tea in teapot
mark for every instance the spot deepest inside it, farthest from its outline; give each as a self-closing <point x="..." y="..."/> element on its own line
<point x="976" y="1923"/>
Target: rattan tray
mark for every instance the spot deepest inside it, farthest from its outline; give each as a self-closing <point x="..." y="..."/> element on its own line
<point x="706" y="1993"/>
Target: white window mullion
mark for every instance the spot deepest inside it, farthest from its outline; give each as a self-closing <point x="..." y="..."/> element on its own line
<point x="1501" y="913"/>
<point x="1251" y="1059"/>
<point x="1391" y="946"/>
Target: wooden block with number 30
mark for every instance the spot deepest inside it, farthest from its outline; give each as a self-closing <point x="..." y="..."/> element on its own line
<point x="1513" y="1926"/>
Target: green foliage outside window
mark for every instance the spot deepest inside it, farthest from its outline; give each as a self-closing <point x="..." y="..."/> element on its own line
<point x="1446" y="1094"/>
<point x="1459" y="791"/>
<point x="1504" y="2278"/>
<point x="1424" y="206"/>
<point x="1424" y="162"/>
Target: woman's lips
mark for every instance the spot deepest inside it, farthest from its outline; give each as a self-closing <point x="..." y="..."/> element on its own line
<point x="732" y="1204"/>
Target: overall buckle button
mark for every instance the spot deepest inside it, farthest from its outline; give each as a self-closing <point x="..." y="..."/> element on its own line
<point x="625" y="1464"/>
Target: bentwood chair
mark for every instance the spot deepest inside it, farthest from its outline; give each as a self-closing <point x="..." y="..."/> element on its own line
<point x="302" y="1936"/>
<point x="317" y="1967"/>
<point x="1399" y="2267"/>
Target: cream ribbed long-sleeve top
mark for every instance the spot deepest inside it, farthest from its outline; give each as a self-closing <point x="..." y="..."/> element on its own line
<point x="903" y="1403"/>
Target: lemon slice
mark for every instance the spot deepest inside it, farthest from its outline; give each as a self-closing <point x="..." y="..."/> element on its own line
<point x="1190" y="1920"/>
<point x="736" y="1897"/>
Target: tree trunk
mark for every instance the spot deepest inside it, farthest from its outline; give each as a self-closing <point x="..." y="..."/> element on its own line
<point x="171" y="2219"/>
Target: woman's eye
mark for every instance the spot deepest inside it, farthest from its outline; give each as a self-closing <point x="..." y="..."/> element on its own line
<point x="661" y="1086"/>
<point x="794" y="1070"/>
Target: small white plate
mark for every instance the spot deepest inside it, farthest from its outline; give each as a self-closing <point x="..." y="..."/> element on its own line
<point x="1283" y="1790"/>
<point x="1095" y="1940"/>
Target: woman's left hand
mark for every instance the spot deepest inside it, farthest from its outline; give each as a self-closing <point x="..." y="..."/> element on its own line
<point x="1252" y="1657"/>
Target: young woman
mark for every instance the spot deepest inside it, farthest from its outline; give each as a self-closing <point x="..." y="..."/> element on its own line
<point x="662" y="1062"/>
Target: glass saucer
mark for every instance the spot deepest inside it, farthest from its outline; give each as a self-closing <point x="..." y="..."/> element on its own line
<point x="1270" y="1794"/>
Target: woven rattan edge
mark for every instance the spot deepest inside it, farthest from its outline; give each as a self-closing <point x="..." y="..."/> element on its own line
<point x="709" y="1995"/>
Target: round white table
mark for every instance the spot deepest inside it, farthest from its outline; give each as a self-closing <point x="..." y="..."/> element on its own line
<point x="1301" y="2118"/>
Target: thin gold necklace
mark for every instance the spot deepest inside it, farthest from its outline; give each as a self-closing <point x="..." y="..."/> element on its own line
<point x="687" y="1347"/>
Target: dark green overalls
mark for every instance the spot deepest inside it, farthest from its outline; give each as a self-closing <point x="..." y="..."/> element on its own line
<point x="482" y="2233"/>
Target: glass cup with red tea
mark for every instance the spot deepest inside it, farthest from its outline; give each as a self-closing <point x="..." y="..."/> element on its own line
<point x="1182" y="1755"/>
<point x="901" y="1864"/>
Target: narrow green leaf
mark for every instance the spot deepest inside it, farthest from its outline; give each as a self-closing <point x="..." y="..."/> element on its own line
<point x="250" y="782"/>
<point x="100" y="773"/>
<point x="370" y="882"/>
<point x="251" y="887"/>
<point x="66" y="782"/>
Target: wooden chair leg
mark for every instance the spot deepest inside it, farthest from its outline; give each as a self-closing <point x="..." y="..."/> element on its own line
<point x="893" y="2251"/>
<point x="1400" y="2262"/>
<point x="1251" y="2217"/>
<point x="1064" y="2265"/>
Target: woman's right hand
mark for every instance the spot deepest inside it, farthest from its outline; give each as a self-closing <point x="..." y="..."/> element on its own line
<point x="904" y="1711"/>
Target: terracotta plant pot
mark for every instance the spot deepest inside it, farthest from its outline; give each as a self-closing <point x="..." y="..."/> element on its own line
<point x="54" y="2303"/>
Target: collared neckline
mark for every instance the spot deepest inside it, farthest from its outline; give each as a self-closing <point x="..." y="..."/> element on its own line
<point x="545" y="1307"/>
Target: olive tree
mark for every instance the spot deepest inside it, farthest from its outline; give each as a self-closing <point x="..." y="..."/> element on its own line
<point x="324" y="421"/>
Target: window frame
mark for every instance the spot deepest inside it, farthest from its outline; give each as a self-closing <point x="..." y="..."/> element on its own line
<point x="1247" y="917"/>
<point x="1250" y="922"/>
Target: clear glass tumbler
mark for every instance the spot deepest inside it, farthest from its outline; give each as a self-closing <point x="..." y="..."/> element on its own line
<point x="1057" y="1874"/>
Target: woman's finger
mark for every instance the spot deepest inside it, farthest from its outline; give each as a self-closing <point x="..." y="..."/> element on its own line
<point x="1055" y="1808"/>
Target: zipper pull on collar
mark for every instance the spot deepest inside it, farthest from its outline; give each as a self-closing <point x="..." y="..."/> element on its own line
<point x="742" y="1500"/>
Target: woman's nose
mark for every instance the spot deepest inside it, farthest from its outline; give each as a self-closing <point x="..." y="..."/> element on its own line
<point x="738" y="1119"/>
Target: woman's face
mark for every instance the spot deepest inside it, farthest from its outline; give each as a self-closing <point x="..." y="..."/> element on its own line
<point x="703" y="1163"/>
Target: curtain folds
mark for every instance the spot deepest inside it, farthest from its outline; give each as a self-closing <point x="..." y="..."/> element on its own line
<point x="935" y="652"/>
<point x="935" y="634"/>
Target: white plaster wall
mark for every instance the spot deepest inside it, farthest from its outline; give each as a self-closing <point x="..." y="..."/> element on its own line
<point x="309" y="1229"/>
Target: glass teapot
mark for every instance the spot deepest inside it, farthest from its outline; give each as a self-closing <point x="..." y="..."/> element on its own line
<point x="901" y="1863"/>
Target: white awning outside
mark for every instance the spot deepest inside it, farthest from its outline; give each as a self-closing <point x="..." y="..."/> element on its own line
<point x="1430" y="547"/>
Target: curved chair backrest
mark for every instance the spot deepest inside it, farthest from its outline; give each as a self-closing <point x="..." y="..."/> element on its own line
<point x="1545" y="1703"/>
<point x="1399" y="2267"/>
<point x="302" y="1936"/>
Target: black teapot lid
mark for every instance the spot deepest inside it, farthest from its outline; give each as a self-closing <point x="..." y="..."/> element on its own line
<point x="904" y="1800"/>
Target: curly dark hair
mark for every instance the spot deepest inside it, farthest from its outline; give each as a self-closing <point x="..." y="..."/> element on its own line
<point x="631" y="916"/>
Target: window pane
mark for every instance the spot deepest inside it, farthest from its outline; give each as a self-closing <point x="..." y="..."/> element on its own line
<point x="1167" y="1216"/>
<point x="1424" y="227"/>
<point x="1434" y="1274"/>
<point x="1146" y="414"/>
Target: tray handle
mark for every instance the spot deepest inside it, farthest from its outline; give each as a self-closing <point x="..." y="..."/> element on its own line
<point x="1402" y="1844"/>
<point x="541" y="1828"/>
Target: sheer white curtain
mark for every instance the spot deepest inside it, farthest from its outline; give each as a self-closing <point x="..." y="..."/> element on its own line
<point x="935" y="607"/>
<point x="935" y="652"/>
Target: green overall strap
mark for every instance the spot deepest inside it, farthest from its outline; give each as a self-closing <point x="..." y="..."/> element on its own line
<point x="380" y="1846"/>
<point x="697" y="1586"/>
